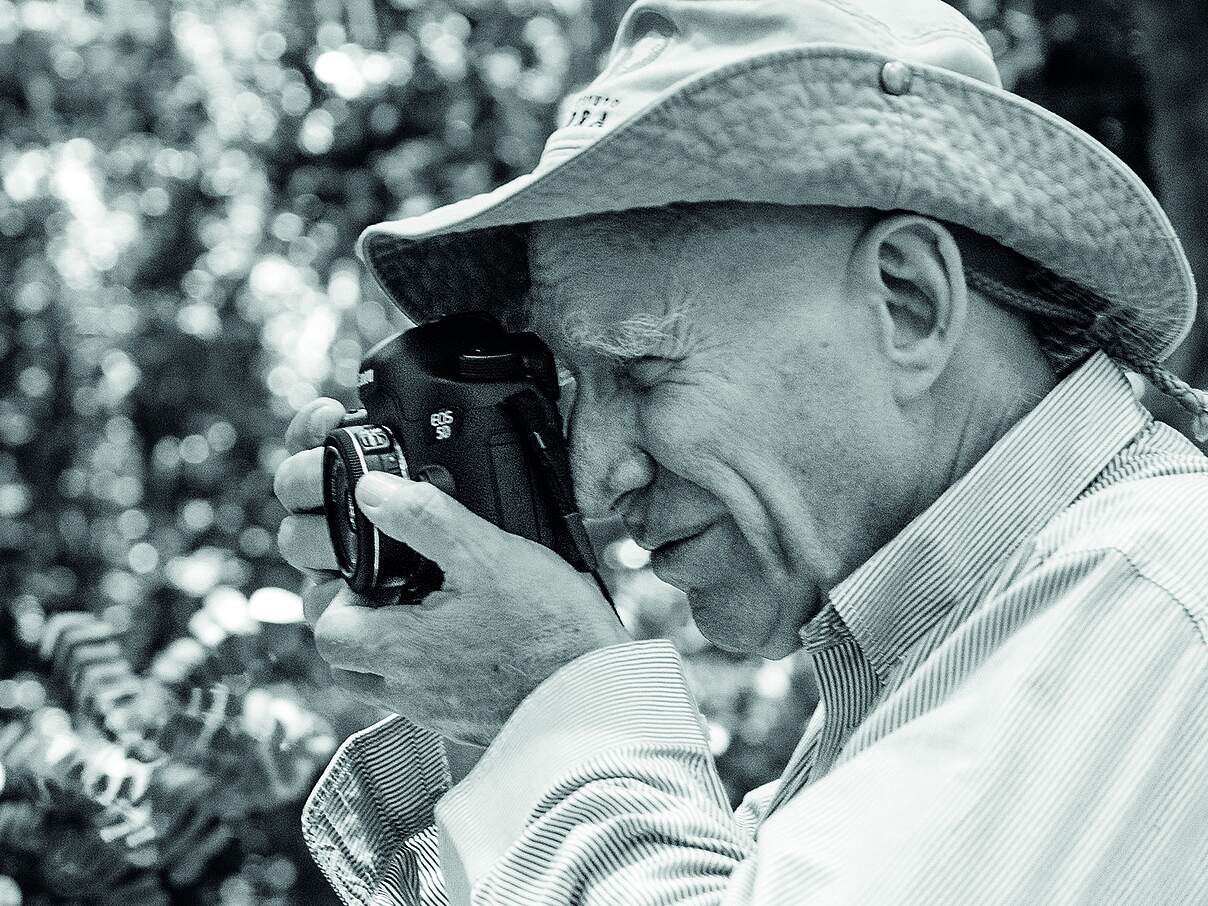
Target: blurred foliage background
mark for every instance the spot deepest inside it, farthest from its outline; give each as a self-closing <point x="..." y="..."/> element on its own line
<point x="181" y="184"/>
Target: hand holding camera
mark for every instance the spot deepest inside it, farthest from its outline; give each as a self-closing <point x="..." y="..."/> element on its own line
<point x="499" y="608"/>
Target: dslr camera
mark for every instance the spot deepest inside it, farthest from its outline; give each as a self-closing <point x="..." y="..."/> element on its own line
<point x="472" y="408"/>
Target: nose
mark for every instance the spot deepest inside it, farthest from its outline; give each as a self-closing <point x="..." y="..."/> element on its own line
<point x="608" y="462"/>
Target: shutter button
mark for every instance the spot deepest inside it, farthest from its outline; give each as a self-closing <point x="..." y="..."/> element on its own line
<point x="896" y="77"/>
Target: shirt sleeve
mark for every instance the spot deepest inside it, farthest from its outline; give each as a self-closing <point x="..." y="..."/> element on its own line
<point x="369" y="820"/>
<point x="369" y="823"/>
<point x="601" y="787"/>
<point x="1065" y="767"/>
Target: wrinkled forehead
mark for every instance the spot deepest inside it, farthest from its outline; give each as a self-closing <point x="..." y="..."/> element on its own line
<point x="593" y="275"/>
<point x="683" y="265"/>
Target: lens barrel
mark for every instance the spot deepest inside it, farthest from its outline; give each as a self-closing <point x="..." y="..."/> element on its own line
<point x="369" y="560"/>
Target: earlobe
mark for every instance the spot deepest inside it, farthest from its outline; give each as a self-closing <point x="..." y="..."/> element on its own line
<point x="914" y="269"/>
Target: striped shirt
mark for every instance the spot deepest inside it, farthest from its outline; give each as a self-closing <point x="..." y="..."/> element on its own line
<point x="1014" y="710"/>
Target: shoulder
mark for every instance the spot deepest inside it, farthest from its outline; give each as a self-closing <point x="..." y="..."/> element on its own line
<point x="1148" y="513"/>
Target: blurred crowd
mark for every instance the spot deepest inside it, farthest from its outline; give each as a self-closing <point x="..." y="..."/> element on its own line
<point x="181" y="185"/>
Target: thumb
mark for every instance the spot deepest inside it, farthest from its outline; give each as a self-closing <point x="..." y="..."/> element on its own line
<point x="422" y="516"/>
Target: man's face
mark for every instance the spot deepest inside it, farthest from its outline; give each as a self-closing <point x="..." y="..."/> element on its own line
<point x="726" y="401"/>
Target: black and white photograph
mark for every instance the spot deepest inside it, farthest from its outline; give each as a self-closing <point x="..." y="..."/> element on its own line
<point x="603" y="453"/>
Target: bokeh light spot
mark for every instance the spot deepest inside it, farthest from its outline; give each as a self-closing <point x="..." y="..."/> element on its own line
<point x="143" y="557"/>
<point x="15" y="499"/>
<point x="197" y="515"/>
<point x="221" y="436"/>
<point x="255" y="541"/>
<point x="719" y="739"/>
<point x="194" y="449"/>
<point x="275" y="605"/>
<point x="317" y="133"/>
<point x="154" y="201"/>
<point x="34" y="381"/>
<point x="270" y="45"/>
<point x="133" y="524"/>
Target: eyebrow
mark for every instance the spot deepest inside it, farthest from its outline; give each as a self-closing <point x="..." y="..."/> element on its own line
<point x="567" y="325"/>
<point x="636" y="337"/>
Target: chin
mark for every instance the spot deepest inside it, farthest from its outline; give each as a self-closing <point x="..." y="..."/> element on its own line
<point x="772" y="649"/>
<point x="734" y="626"/>
<point x="751" y="625"/>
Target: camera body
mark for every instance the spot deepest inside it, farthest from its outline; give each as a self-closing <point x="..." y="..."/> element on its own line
<point x="471" y="408"/>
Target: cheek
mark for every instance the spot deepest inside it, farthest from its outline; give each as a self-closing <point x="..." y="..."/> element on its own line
<point x="747" y="426"/>
<point x="681" y="428"/>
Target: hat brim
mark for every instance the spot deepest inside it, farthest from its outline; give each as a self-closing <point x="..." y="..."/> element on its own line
<point x="814" y="126"/>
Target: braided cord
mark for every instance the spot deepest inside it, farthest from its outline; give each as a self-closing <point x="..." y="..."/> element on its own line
<point x="1193" y="400"/>
<point x="1072" y="322"/>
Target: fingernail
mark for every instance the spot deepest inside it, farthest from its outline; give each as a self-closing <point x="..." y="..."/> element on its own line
<point x="374" y="488"/>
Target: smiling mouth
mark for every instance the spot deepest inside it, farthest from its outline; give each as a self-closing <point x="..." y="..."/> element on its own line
<point x="671" y="547"/>
<point x="654" y="545"/>
<point x="665" y="554"/>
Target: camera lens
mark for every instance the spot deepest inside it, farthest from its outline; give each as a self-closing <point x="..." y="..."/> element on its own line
<point x="369" y="560"/>
<point x="343" y="531"/>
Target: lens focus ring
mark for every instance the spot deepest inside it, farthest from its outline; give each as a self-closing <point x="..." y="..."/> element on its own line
<point x="350" y="453"/>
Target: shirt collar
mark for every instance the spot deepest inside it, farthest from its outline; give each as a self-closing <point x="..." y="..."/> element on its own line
<point x="1033" y="472"/>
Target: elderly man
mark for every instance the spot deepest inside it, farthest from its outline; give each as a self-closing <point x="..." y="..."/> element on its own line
<point x="846" y="323"/>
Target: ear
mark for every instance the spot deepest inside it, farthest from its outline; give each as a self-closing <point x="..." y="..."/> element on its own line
<point x="910" y="270"/>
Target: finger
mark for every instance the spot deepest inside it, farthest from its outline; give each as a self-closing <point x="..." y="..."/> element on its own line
<point x="316" y="597"/>
<point x="355" y="637"/>
<point x="319" y="576"/>
<point x="366" y="686"/>
<point x="422" y="516"/>
<point x="298" y="482"/>
<point x="304" y="543"/>
<point x="312" y="423"/>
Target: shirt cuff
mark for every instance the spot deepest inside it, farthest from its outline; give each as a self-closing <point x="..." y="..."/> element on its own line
<point x="620" y="696"/>
<point x="374" y="798"/>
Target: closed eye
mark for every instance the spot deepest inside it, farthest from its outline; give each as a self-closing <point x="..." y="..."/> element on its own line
<point x="647" y="371"/>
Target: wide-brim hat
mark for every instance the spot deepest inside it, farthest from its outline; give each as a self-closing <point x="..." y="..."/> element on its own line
<point x="884" y="104"/>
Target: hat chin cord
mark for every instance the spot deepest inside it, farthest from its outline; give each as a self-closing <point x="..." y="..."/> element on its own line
<point x="1069" y="312"/>
<point x="1193" y="400"/>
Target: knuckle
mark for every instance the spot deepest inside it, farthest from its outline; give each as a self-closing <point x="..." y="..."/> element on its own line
<point x="332" y="409"/>
<point x="312" y="422"/>
<point x="304" y="543"/>
<point x="298" y="431"/>
<point x="297" y="424"/>
<point x="324" y="416"/>
<point x="427" y="504"/>
<point x="332" y="637"/>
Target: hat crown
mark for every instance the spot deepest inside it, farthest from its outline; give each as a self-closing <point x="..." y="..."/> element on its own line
<point x="660" y="44"/>
<point x="894" y="105"/>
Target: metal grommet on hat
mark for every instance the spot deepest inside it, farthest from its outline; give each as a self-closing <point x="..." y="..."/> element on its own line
<point x="896" y="77"/>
